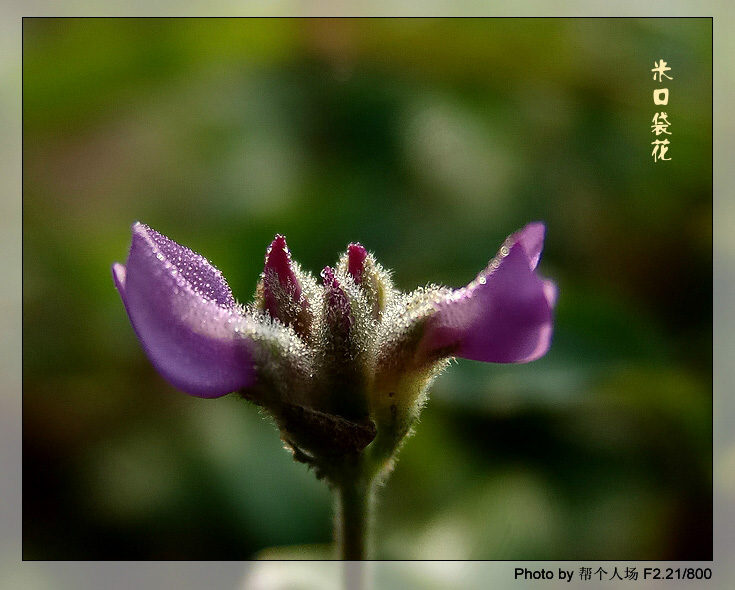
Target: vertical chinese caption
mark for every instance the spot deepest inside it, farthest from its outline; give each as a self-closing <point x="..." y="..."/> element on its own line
<point x="660" y="120"/>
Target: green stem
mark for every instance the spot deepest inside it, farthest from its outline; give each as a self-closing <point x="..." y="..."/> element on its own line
<point x="354" y="515"/>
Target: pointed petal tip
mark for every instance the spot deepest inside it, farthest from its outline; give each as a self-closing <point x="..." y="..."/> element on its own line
<point x="118" y="275"/>
<point x="278" y="259"/>
<point x="141" y="229"/>
<point x="279" y="243"/>
<point x="536" y="226"/>
<point x="531" y="237"/>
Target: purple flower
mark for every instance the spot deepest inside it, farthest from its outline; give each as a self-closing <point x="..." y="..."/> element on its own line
<point x="339" y="364"/>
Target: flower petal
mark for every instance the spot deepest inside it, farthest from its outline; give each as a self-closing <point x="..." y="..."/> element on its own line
<point x="184" y="315"/>
<point x="505" y="315"/>
<point x="531" y="238"/>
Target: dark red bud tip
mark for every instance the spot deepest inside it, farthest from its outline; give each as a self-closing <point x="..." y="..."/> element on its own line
<point x="278" y="262"/>
<point x="278" y="259"/>
<point x="356" y="255"/>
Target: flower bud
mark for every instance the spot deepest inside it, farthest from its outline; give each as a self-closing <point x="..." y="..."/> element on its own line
<point x="372" y="279"/>
<point x="343" y="344"/>
<point x="280" y="291"/>
<point x="343" y="367"/>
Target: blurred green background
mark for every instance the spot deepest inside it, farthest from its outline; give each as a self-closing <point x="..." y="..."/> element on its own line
<point x="429" y="141"/>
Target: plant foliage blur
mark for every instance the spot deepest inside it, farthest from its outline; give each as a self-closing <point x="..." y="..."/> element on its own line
<point x="428" y="141"/>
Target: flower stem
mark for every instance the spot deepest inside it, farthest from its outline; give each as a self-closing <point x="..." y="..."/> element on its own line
<point x="354" y="512"/>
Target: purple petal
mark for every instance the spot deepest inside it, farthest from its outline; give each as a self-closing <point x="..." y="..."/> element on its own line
<point x="531" y="238"/>
<point x="184" y="315"/>
<point x="505" y="315"/>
